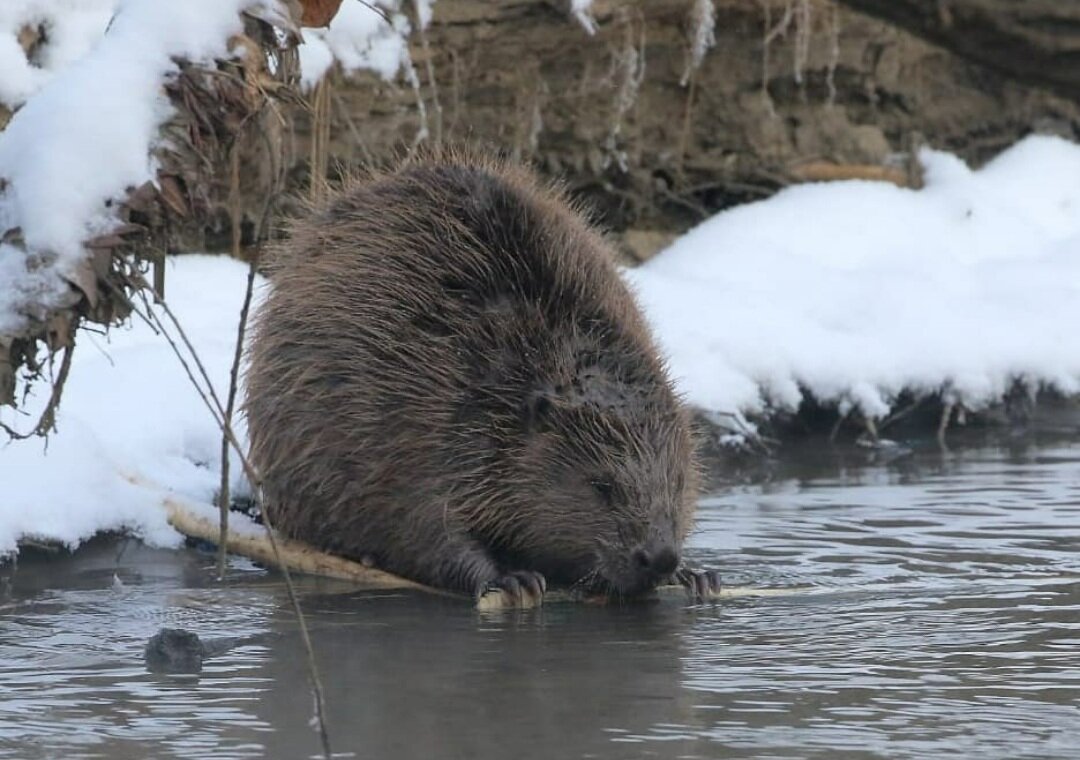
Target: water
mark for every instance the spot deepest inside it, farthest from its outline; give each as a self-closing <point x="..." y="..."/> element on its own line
<point x="934" y="612"/>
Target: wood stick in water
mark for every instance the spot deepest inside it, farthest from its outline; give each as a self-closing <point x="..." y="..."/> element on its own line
<point x="298" y="556"/>
<point x="302" y="558"/>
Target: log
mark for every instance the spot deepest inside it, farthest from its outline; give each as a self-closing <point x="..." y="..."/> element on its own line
<point x="301" y="558"/>
<point x="296" y="556"/>
<point x="828" y="171"/>
<point x="1033" y="41"/>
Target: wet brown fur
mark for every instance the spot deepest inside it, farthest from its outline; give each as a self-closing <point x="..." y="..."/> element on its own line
<point x="450" y="378"/>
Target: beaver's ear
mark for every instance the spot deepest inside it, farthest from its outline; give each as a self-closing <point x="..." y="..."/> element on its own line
<point x="536" y="411"/>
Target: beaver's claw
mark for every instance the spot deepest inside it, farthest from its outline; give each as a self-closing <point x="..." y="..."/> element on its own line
<point x="518" y="590"/>
<point x="700" y="585"/>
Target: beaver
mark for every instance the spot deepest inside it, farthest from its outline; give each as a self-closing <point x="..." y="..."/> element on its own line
<point x="449" y="379"/>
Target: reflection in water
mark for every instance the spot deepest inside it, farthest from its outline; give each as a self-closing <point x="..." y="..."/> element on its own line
<point x="945" y="620"/>
<point x="427" y="678"/>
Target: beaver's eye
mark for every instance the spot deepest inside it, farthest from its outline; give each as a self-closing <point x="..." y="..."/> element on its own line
<point x="604" y="488"/>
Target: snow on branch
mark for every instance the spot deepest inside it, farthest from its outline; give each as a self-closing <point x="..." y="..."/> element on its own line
<point x="85" y="137"/>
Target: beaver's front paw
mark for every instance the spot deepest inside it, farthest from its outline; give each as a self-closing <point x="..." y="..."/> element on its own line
<point x="700" y="585"/>
<point x="519" y="590"/>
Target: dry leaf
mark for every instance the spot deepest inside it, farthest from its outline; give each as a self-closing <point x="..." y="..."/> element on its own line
<point x="83" y="277"/>
<point x="319" y="12"/>
<point x="172" y="195"/>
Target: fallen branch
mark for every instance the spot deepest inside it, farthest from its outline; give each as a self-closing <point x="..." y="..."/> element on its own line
<point x="827" y="171"/>
<point x="294" y="555"/>
<point x="298" y="557"/>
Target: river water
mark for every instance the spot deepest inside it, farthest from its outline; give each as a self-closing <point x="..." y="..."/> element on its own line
<point x="932" y="611"/>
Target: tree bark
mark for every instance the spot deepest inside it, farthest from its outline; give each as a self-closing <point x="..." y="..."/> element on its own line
<point x="1034" y="41"/>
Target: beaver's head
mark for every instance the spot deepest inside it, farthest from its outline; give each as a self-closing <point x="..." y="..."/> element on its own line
<point x="611" y="488"/>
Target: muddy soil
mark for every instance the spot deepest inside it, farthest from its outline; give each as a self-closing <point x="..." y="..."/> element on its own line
<point x="790" y="90"/>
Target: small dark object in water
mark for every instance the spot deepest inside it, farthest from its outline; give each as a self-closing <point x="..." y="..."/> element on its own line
<point x="449" y="377"/>
<point x="174" y="650"/>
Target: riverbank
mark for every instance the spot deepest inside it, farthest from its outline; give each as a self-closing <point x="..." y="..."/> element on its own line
<point x="854" y="312"/>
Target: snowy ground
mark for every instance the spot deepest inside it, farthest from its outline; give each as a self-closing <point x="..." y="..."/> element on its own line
<point x="131" y="428"/>
<point x="852" y="290"/>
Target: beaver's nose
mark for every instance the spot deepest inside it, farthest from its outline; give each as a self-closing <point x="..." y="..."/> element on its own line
<point x="655" y="561"/>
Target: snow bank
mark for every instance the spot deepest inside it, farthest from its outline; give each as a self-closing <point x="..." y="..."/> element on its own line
<point x="131" y="428"/>
<point x="85" y="136"/>
<point x="857" y="290"/>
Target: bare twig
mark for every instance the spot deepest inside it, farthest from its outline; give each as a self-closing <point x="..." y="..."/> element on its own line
<point x="837" y="425"/>
<point x="358" y="141"/>
<point x="627" y="73"/>
<point x="145" y="287"/>
<point x="378" y="11"/>
<point x="217" y="412"/>
<point x="687" y="121"/>
<point x="413" y="79"/>
<point x="320" y="138"/>
<point x="803" y="29"/>
<point x="771" y="32"/>
<point x="429" y="65"/>
<point x="230" y="402"/>
<point x="701" y="36"/>
<point x="902" y="413"/>
<point x="871" y="428"/>
<point x="943" y="423"/>
<point x="47" y="421"/>
<point x="834" y="53"/>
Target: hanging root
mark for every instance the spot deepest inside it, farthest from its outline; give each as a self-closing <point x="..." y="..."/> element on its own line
<point x="943" y="424"/>
<point x="871" y="429"/>
<point x="834" y="53"/>
<point x="837" y="425"/>
<point x="429" y="65"/>
<point x="627" y="72"/>
<point x="702" y="36"/>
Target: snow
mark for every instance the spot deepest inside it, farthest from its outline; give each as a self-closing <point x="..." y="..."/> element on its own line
<point x="85" y="136"/>
<point x="852" y="290"/>
<point x="359" y="38"/>
<point x="582" y="11"/>
<point x="857" y="290"/>
<point x="131" y="428"/>
<point x="73" y="26"/>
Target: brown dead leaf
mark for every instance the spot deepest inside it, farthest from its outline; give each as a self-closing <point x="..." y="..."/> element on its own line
<point x="29" y="37"/>
<point x="83" y="277"/>
<point x="249" y="52"/>
<point x="319" y="12"/>
<point x="59" y="332"/>
<point x="142" y="198"/>
<point x="172" y="194"/>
